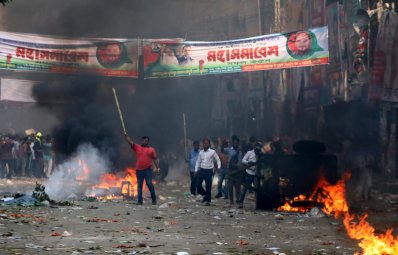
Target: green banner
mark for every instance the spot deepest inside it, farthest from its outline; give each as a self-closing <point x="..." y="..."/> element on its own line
<point x="171" y="58"/>
<point x="107" y="57"/>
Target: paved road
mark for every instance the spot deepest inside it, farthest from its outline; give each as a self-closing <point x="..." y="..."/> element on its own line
<point x="179" y="223"/>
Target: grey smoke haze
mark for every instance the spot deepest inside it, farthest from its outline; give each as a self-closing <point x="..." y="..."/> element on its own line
<point x="63" y="183"/>
<point x="101" y="18"/>
<point x="84" y="106"/>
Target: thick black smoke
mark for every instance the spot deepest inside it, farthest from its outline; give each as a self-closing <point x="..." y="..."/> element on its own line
<point x="83" y="112"/>
<point x="84" y="106"/>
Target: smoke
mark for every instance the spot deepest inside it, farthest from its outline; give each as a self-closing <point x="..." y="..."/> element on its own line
<point x="84" y="106"/>
<point x="62" y="183"/>
<point x="178" y="170"/>
<point x="83" y="114"/>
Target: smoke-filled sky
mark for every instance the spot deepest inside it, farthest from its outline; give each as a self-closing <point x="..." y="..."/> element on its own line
<point x="102" y="18"/>
<point x="150" y="107"/>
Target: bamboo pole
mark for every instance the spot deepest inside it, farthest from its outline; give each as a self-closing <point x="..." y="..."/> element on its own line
<point x="120" y="112"/>
<point x="184" y="123"/>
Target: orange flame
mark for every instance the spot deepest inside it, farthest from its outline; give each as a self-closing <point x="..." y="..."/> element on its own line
<point x="371" y="243"/>
<point x="127" y="178"/>
<point x="287" y="207"/>
<point x="333" y="197"/>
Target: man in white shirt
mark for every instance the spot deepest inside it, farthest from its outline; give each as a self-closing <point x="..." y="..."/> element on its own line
<point x="204" y="168"/>
<point x="250" y="160"/>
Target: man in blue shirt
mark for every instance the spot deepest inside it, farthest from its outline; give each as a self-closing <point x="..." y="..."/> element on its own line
<point x="191" y="159"/>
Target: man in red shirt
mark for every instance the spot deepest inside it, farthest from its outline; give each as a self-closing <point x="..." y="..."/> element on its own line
<point x="145" y="156"/>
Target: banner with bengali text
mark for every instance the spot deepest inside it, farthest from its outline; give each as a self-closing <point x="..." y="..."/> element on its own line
<point x="164" y="58"/>
<point x="106" y="57"/>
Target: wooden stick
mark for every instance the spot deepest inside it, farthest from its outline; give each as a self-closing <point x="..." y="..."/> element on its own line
<point x="120" y="112"/>
<point x="184" y="123"/>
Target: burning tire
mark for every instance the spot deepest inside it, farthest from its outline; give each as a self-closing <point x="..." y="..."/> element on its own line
<point x="299" y="173"/>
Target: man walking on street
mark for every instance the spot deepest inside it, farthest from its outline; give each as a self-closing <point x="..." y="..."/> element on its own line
<point x="234" y="177"/>
<point x="192" y="158"/>
<point x="204" y="168"/>
<point x="222" y="172"/>
<point x="145" y="156"/>
<point x="249" y="160"/>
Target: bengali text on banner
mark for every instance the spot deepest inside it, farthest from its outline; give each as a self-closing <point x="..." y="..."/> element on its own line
<point x="106" y="57"/>
<point x="170" y="58"/>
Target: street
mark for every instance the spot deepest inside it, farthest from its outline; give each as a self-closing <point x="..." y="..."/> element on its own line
<point x="179" y="224"/>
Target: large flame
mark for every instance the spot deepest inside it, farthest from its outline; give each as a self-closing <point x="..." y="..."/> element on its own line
<point x="126" y="181"/>
<point x="333" y="197"/>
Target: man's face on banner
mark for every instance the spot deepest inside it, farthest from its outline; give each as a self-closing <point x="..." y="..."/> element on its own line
<point x="303" y="42"/>
<point x="113" y="52"/>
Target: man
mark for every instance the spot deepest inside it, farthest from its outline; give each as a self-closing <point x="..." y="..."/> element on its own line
<point x="185" y="57"/>
<point x="6" y="158"/>
<point x="249" y="160"/>
<point x="145" y="156"/>
<point x="234" y="178"/>
<point x="204" y="168"/>
<point x="38" y="161"/>
<point x="222" y="172"/>
<point x="191" y="159"/>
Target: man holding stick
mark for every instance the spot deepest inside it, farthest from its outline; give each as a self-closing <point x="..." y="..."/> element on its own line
<point x="145" y="156"/>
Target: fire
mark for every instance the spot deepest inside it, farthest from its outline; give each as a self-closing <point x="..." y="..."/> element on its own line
<point x="371" y="243"/>
<point x="331" y="196"/>
<point x="287" y="207"/>
<point x="124" y="183"/>
<point x="334" y="201"/>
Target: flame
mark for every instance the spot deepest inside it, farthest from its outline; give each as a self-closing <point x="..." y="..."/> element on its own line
<point x="371" y="243"/>
<point x="333" y="197"/>
<point x="287" y="207"/>
<point x="126" y="181"/>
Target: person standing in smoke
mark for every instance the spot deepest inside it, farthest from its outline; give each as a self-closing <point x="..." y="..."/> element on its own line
<point x="146" y="155"/>
<point x="235" y="176"/>
<point x="222" y="172"/>
<point x="47" y="156"/>
<point x="191" y="159"/>
<point x="38" y="158"/>
<point x="204" y="169"/>
<point x="249" y="160"/>
<point x="6" y="158"/>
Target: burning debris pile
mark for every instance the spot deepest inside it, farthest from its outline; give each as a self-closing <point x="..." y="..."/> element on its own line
<point x="332" y="198"/>
<point x="113" y="186"/>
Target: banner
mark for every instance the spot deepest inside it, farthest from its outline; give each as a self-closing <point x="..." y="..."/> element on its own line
<point x="107" y="57"/>
<point x="277" y="51"/>
<point x="16" y="90"/>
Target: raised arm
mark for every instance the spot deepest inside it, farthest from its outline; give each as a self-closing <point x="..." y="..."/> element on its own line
<point x="128" y="139"/>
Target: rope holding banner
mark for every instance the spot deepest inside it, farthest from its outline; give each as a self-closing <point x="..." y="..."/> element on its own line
<point x="120" y="112"/>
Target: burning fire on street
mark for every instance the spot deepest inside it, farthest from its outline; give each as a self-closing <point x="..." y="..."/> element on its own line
<point x="113" y="186"/>
<point x="333" y="199"/>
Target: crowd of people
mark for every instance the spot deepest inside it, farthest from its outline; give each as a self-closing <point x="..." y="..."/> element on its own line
<point x="231" y="160"/>
<point x="28" y="156"/>
<point x="234" y="164"/>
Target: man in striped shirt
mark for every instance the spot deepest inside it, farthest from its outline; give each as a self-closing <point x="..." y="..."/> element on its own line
<point x="204" y="168"/>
